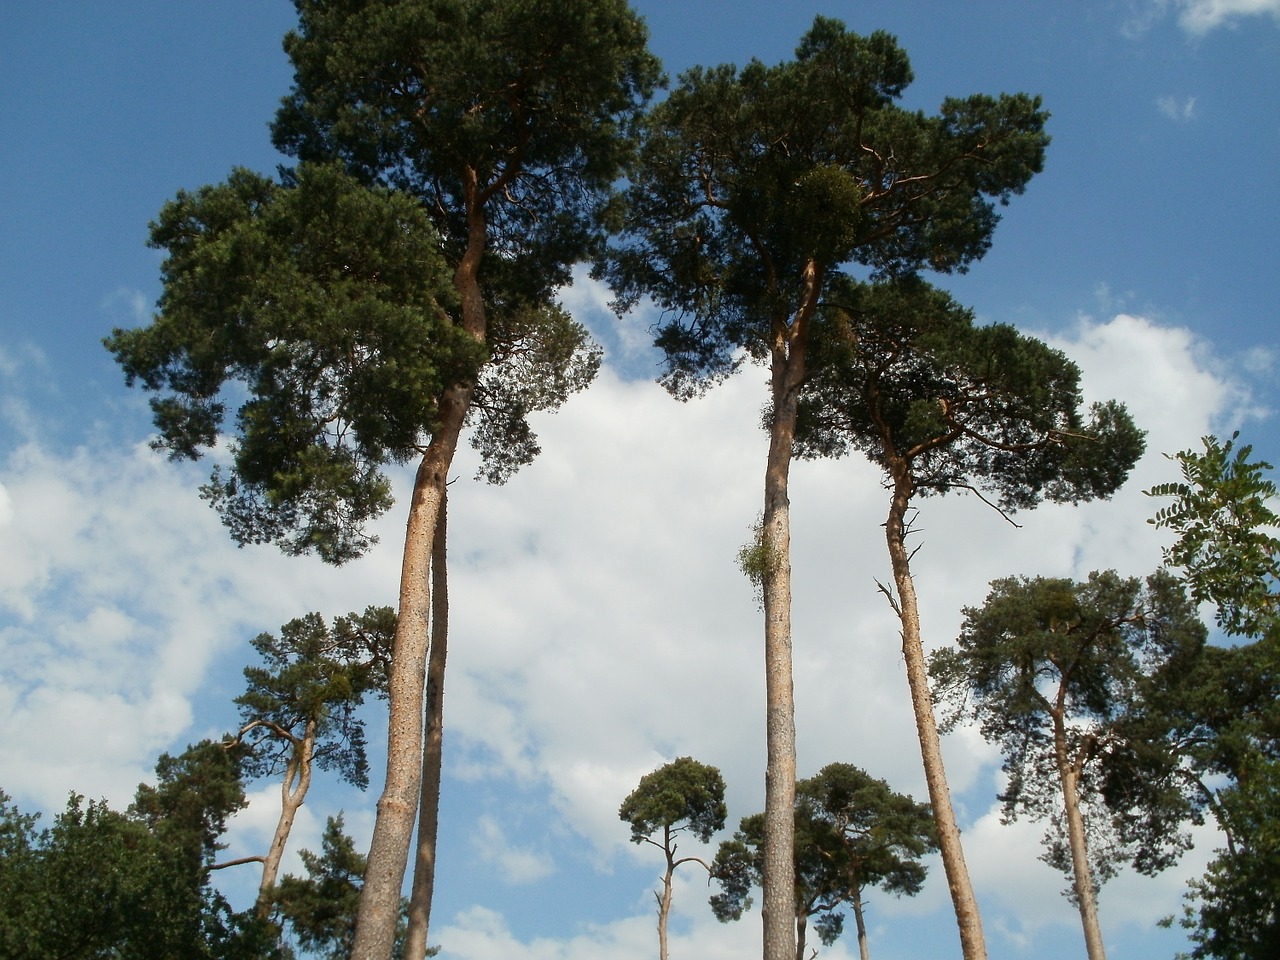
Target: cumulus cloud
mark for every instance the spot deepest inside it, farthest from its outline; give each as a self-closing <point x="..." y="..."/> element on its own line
<point x="119" y="592"/>
<point x="642" y="645"/>
<point x="600" y="627"/>
<point x="481" y="933"/>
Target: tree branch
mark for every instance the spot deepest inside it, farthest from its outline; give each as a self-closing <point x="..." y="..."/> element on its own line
<point x="237" y="862"/>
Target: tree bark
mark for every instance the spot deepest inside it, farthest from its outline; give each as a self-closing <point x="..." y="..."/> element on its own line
<point x="664" y="901"/>
<point x="778" y="868"/>
<point x="291" y="797"/>
<point x="398" y="805"/>
<point x="972" y="942"/>
<point x="424" y="870"/>
<point x="1083" y="876"/>
<point x="802" y="930"/>
<point x="401" y="796"/>
<point x="863" y="951"/>
<point x="787" y="368"/>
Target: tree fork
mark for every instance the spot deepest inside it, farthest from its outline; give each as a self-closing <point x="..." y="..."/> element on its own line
<point x="401" y="796"/>
<point x="291" y="798"/>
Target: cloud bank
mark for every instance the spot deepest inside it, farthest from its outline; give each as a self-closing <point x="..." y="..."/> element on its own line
<point x="600" y="628"/>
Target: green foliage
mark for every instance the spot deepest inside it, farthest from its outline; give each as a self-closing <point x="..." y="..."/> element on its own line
<point x="1227" y="706"/>
<point x="315" y="675"/>
<point x="1220" y="710"/>
<point x="1044" y="658"/>
<point x="331" y="302"/>
<point x="853" y="832"/>
<point x="1225" y="710"/>
<point x="102" y="884"/>
<point x="883" y="834"/>
<point x="195" y="794"/>
<point x="1226" y="547"/>
<point x="321" y="306"/>
<point x="755" y="182"/>
<point x="319" y="910"/>
<point x="540" y="357"/>
<point x="900" y="372"/>
<point x="511" y="117"/>
<point x="523" y="106"/>
<point x="508" y="121"/>
<point x="1235" y="907"/>
<point x="681" y="795"/>
<point x="757" y="559"/>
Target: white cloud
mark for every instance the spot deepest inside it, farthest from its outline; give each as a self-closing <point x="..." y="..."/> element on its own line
<point x="1198" y="17"/>
<point x="1259" y="360"/>
<point x="119" y="591"/>
<point x="1175" y="386"/>
<point x="1182" y="110"/>
<point x="628" y="340"/>
<point x="25" y="369"/>
<point x="517" y="864"/>
<point x="600" y="628"/>
<point x="481" y="933"/>
<point x="645" y="638"/>
<point x="254" y="826"/>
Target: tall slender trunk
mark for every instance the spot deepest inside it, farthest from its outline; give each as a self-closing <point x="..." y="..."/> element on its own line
<point x="802" y="934"/>
<point x="664" y="901"/>
<point x="778" y="905"/>
<point x="787" y="369"/>
<point x="298" y="771"/>
<point x="1083" y="876"/>
<point x="401" y="796"/>
<point x="398" y="805"/>
<point x="424" y="870"/>
<point x="863" y="951"/>
<point x="972" y="942"/>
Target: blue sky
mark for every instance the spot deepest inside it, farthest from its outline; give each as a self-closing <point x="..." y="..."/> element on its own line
<point x="601" y="626"/>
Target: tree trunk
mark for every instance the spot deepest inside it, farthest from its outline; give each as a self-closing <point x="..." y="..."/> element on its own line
<point x="398" y="805"/>
<point x="664" y="901"/>
<point x="424" y="870"/>
<point x="972" y="943"/>
<point x="778" y="905"/>
<point x="802" y="931"/>
<point x="393" y="829"/>
<point x="787" y="367"/>
<point x="291" y="797"/>
<point x="1083" y="876"/>
<point x="861" y="925"/>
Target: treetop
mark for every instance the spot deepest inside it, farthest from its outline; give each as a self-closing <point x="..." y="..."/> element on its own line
<point x="683" y="794"/>
<point x="521" y="107"/>
<point x="900" y="372"/>
<point x="324" y="304"/>
<point x="754" y="182"/>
